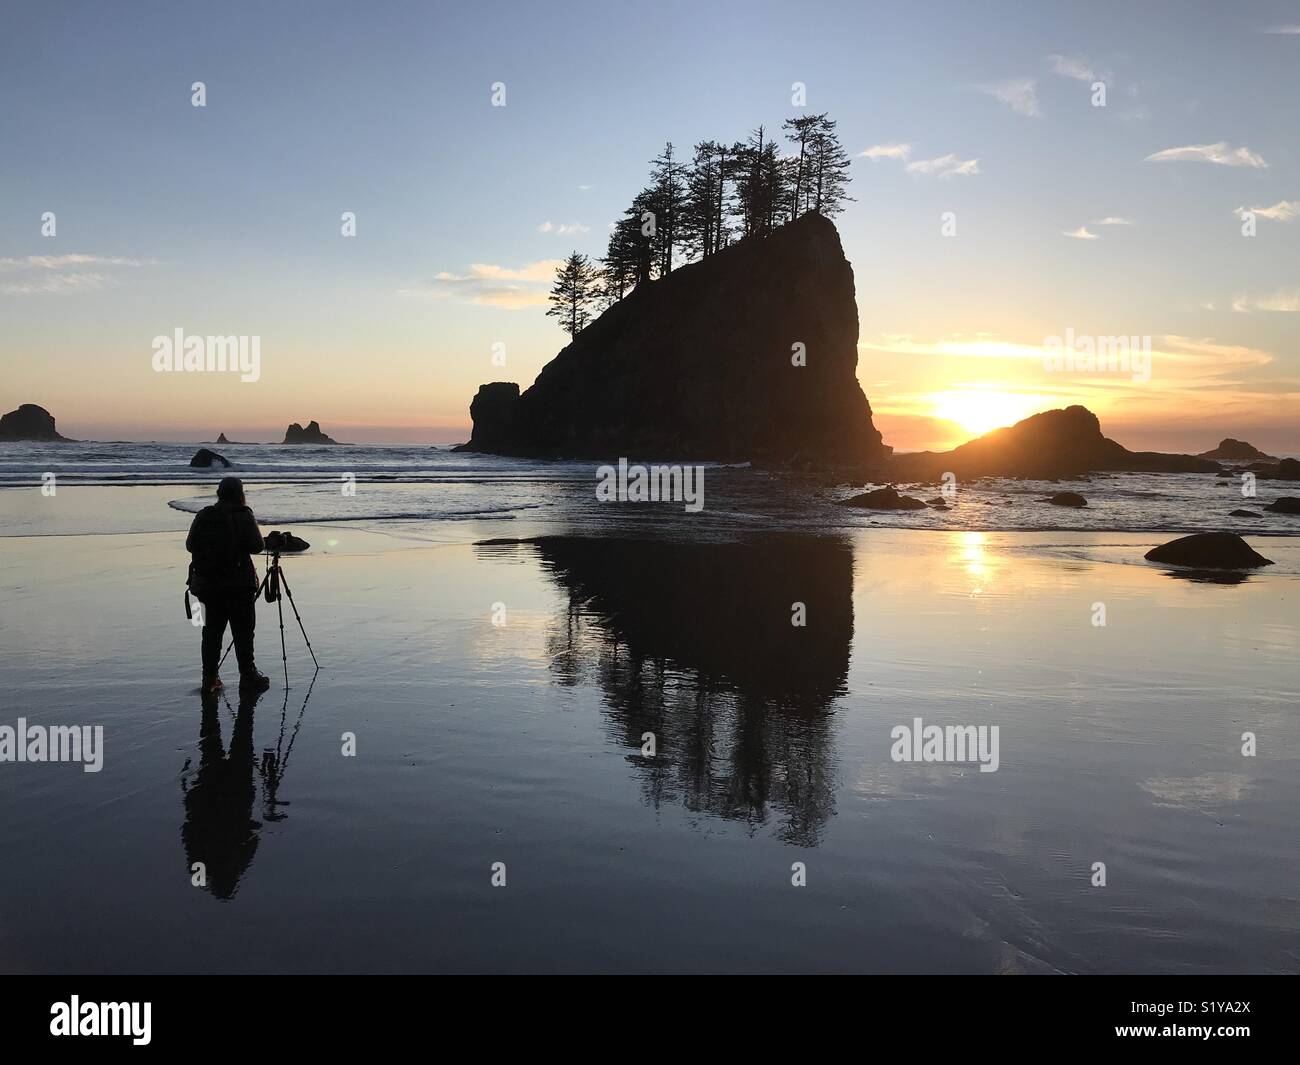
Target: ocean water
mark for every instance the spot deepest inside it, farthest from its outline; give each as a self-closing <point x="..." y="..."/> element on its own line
<point x="415" y="487"/>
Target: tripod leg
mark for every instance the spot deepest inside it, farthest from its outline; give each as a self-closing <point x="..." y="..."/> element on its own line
<point x="232" y="637"/>
<point x="299" y="617"/>
<point x="279" y="606"/>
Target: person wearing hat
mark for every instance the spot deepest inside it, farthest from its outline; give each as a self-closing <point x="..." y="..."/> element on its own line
<point x="222" y="540"/>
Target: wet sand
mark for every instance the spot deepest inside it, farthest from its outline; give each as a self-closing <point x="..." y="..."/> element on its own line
<point x="522" y="743"/>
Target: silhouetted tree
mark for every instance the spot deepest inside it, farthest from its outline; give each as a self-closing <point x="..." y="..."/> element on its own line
<point x="668" y="193"/>
<point x="575" y="291"/>
<point x="761" y="182"/>
<point x="704" y="217"/>
<point x="828" y="169"/>
<point x="800" y="131"/>
<point x="748" y="187"/>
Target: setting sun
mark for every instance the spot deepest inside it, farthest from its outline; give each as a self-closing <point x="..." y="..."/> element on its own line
<point x="977" y="411"/>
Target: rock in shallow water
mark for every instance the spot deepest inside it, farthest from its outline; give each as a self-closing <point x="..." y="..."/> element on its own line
<point x="1209" y="551"/>
<point x="1068" y="499"/>
<point x="204" y="458"/>
<point x="882" y="499"/>
<point x="1285" y="505"/>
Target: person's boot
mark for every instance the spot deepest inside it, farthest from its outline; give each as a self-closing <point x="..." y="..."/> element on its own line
<point x="254" y="681"/>
<point x="211" y="685"/>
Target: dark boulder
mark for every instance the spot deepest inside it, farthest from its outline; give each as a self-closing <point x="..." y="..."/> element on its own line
<point x="30" y="422"/>
<point x="1286" y="470"/>
<point x="882" y="499"/>
<point x="1219" y="550"/>
<point x="705" y="363"/>
<point x="296" y="434"/>
<point x="1243" y="514"/>
<point x="203" y="458"/>
<point x="1285" y="505"/>
<point x="222" y="439"/>
<point x="1067" y="499"/>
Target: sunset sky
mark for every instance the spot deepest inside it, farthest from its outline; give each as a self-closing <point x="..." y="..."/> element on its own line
<point x="1115" y="220"/>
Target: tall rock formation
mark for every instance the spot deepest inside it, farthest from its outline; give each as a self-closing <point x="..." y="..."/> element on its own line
<point x="699" y="365"/>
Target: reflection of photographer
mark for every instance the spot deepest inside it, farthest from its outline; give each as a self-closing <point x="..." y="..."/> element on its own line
<point x="222" y="539"/>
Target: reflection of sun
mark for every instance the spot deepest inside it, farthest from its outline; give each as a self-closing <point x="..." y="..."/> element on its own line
<point x="978" y="410"/>
<point x="977" y="562"/>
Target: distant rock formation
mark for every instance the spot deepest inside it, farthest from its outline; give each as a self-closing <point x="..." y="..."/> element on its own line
<point x="222" y="439"/>
<point x="1230" y="450"/>
<point x="204" y="458"/>
<point x="1053" y="444"/>
<point x="1219" y="550"/>
<point x="30" y="422"/>
<point x="296" y="434"/>
<point x="701" y="365"/>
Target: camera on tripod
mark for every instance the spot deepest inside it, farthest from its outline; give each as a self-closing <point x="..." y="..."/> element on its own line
<point x="277" y="542"/>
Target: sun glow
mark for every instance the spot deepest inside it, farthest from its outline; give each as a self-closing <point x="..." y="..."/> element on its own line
<point x="976" y="411"/>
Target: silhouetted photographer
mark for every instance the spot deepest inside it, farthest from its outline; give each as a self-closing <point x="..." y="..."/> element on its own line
<point x="222" y="540"/>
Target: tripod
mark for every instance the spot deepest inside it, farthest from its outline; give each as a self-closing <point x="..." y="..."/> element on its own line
<point x="272" y="583"/>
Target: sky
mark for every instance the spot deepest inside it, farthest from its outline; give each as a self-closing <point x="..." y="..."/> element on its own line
<point x="1065" y="219"/>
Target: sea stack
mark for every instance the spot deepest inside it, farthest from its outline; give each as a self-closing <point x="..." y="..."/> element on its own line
<point x="1230" y="450"/>
<point x="30" y="422"/>
<point x="296" y="434"/>
<point x="1053" y="444"/>
<point x="750" y="353"/>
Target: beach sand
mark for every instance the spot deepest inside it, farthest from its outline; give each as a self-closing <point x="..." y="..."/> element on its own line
<point x="521" y="743"/>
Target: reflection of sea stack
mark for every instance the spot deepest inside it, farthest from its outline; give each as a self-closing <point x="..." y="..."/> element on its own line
<point x="750" y="353"/>
<point x="296" y="434"/>
<point x="29" y="422"/>
<point x="741" y="705"/>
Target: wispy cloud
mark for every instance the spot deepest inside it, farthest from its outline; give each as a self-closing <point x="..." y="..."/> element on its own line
<point x="1220" y="153"/>
<point x="1111" y="220"/>
<point x="887" y="151"/>
<point x="1282" y="211"/>
<point x="1079" y="234"/>
<point x="46" y="275"/>
<point x="1075" y="67"/>
<point x="563" y="229"/>
<point x="54" y="284"/>
<point x="490" y="285"/>
<point x="1291" y="30"/>
<point x="1019" y="94"/>
<point x="1285" y="302"/>
<point x="945" y="166"/>
<point x="1200" y="353"/>
<point x="58" y="262"/>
